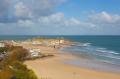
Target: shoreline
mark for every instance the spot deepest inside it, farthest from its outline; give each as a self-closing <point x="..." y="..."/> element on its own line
<point x="54" y="68"/>
<point x="85" y="61"/>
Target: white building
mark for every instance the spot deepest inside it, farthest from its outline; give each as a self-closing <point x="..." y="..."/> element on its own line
<point x="62" y="41"/>
<point x="34" y="53"/>
<point x="2" y="44"/>
<point x="36" y="43"/>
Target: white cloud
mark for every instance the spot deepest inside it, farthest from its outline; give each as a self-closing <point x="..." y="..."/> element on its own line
<point x="42" y="7"/>
<point x="59" y="20"/>
<point x="104" y="18"/>
<point x="26" y="9"/>
<point x="52" y="19"/>
<point x="56" y="19"/>
<point x="21" y="11"/>
<point x="72" y="22"/>
<point x="25" y="23"/>
<point x="97" y="23"/>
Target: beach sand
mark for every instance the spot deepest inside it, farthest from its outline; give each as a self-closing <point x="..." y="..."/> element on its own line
<point x="54" y="68"/>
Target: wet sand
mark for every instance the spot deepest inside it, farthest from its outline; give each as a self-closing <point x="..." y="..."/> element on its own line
<point x="54" y="68"/>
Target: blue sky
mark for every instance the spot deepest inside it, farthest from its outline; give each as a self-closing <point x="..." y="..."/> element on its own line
<point x="79" y="8"/>
<point x="59" y="17"/>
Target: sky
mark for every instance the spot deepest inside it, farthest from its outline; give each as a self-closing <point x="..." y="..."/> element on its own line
<point x="59" y="17"/>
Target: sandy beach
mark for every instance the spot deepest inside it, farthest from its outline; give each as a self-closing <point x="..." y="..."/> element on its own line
<point x="54" y="68"/>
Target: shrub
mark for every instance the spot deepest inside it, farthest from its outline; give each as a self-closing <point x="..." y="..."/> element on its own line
<point x="12" y="66"/>
<point x="18" y="54"/>
<point x="5" y="74"/>
<point x="20" y="71"/>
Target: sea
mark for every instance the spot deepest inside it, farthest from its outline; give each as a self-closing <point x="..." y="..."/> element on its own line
<point x="102" y="50"/>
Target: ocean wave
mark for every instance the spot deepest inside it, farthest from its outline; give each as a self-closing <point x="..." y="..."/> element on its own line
<point x="114" y="57"/>
<point x="101" y="48"/>
<point x="81" y="44"/>
<point x="99" y="53"/>
<point x="107" y="51"/>
<point x="108" y="56"/>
